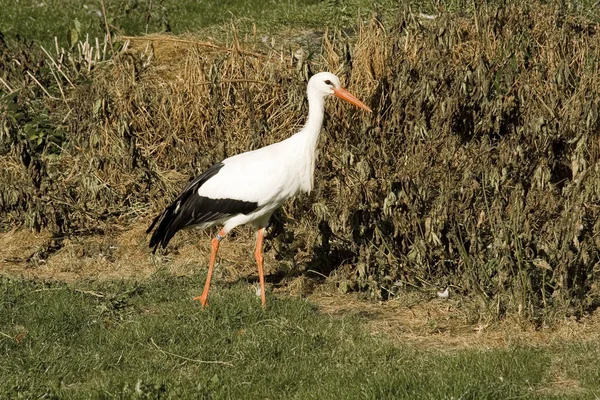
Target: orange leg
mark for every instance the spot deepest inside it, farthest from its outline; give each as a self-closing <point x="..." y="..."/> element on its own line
<point x="213" y="257"/>
<point x="258" y="254"/>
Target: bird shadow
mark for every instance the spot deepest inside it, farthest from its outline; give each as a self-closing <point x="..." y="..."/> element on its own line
<point x="324" y="259"/>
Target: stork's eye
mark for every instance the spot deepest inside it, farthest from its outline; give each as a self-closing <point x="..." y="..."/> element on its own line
<point x="328" y="82"/>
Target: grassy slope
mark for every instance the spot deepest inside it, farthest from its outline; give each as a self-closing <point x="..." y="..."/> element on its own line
<point x="43" y="20"/>
<point x="150" y="336"/>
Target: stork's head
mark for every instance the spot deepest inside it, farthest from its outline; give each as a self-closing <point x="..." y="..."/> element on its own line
<point x="327" y="84"/>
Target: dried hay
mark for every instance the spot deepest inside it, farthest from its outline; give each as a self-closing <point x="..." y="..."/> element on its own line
<point x="124" y="255"/>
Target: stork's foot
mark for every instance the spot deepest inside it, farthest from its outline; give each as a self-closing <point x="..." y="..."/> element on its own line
<point x="202" y="299"/>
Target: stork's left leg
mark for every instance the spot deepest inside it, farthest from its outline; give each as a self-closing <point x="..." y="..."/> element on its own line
<point x="258" y="254"/>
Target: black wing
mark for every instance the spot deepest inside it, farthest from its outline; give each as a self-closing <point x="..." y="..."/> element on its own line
<point x="191" y="209"/>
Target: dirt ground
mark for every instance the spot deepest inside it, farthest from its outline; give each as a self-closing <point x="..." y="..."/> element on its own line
<point x="418" y="319"/>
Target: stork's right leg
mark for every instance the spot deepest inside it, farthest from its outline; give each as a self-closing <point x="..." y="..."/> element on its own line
<point x="213" y="257"/>
<point x="259" y="260"/>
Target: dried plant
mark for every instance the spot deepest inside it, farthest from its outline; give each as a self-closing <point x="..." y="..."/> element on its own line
<point x="478" y="170"/>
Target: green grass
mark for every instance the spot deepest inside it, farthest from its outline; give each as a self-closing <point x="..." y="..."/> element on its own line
<point x="42" y="20"/>
<point x="147" y="339"/>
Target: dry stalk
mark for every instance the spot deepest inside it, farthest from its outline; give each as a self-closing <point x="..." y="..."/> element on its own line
<point x="10" y="90"/>
<point x="57" y="66"/>
<point x="108" y="35"/>
<point x="226" y="363"/>
<point x="41" y="87"/>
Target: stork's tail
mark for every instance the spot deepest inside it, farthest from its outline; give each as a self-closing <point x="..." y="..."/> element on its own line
<point x="170" y="220"/>
<point x="164" y="232"/>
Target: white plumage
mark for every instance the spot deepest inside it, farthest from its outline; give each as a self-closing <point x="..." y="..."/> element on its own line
<point x="250" y="186"/>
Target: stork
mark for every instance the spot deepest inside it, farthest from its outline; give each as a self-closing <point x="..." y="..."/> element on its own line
<point x="250" y="186"/>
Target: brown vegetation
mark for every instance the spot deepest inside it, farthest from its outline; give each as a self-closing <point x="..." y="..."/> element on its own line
<point x="478" y="169"/>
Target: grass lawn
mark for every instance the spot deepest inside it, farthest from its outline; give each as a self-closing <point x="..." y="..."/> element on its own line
<point x="148" y="339"/>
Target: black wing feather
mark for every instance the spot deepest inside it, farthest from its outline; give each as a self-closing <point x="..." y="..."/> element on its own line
<point x="191" y="209"/>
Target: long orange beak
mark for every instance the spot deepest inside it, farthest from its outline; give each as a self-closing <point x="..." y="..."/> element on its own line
<point x="346" y="95"/>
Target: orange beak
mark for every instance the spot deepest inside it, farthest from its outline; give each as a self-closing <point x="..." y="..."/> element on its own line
<point x="346" y="95"/>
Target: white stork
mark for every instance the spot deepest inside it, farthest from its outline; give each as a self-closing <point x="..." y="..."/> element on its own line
<point x="250" y="186"/>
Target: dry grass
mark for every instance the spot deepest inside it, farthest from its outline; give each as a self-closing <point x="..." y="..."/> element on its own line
<point x="561" y="381"/>
<point x="124" y="255"/>
<point x="447" y="324"/>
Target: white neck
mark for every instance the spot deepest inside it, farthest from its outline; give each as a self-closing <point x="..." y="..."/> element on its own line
<point x="309" y="137"/>
<point x="316" y="111"/>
